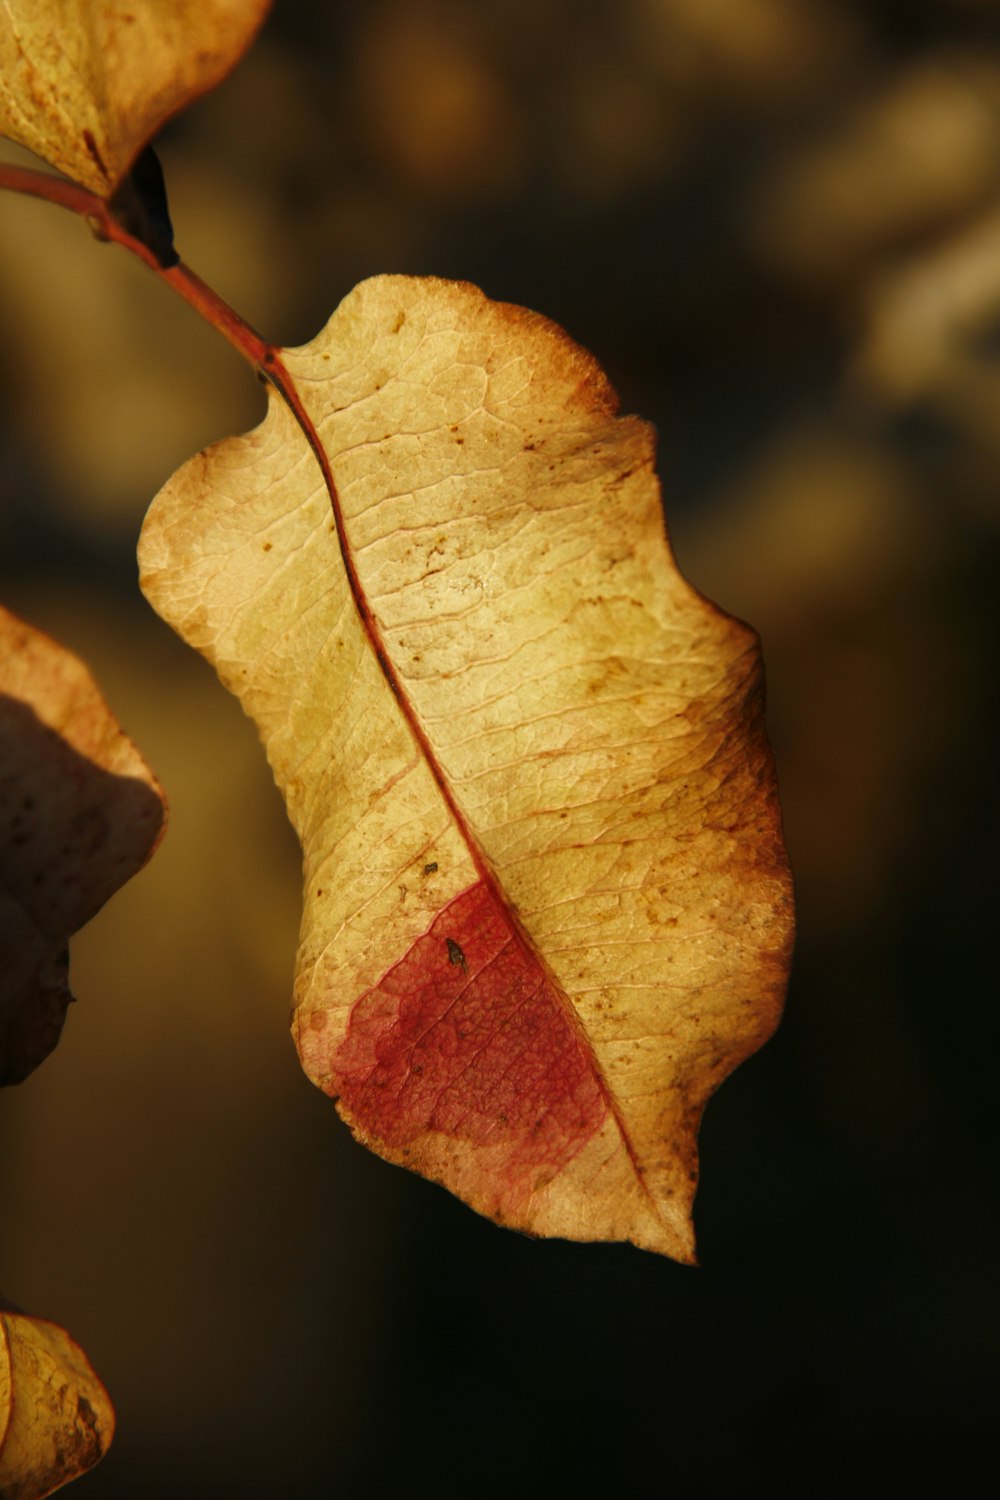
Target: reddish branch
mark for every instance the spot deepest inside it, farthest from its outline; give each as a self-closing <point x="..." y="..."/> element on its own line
<point x="265" y="358"/>
<point x="262" y="355"/>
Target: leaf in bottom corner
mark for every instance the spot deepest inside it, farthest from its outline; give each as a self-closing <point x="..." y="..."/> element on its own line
<point x="56" y="1420"/>
<point x="547" y="907"/>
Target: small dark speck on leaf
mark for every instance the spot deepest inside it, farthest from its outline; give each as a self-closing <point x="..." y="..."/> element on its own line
<point x="455" y="954"/>
<point x="429" y="869"/>
<point x="267" y="546"/>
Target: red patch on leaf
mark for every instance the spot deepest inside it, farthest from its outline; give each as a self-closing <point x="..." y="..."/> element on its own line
<point x="467" y="1037"/>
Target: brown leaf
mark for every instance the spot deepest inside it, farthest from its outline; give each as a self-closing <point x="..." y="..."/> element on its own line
<point x="547" y="905"/>
<point x="80" y="812"/>
<point x="86" y="83"/>
<point x="56" y="1419"/>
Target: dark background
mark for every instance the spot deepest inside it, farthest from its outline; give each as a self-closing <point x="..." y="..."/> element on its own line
<point x="777" y="224"/>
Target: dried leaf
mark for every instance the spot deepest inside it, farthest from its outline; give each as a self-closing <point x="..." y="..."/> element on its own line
<point x="86" y="83"/>
<point x="56" y="1420"/>
<point x="547" y="906"/>
<point x="80" y="812"/>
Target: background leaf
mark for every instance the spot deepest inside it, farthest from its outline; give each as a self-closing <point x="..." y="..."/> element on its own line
<point x="80" y="813"/>
<point x="85" y="84"/>
<point x="546" y="902"/>
<point x="56" y="1420"/>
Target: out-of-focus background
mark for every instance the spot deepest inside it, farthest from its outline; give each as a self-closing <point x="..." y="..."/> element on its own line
<point x="777" y="224"/>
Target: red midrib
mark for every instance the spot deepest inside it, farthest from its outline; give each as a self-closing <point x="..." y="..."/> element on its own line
<point x="284" y="383"/>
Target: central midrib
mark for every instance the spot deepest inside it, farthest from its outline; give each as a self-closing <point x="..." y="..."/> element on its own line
<point x="284" y="384"/>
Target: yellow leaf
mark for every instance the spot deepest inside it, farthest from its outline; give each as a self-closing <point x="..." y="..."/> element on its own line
<point x="547" y="907"/>
<point x="80" y="812"/>
<point x="56" y="1419"/>
<point x="87" y="83"/>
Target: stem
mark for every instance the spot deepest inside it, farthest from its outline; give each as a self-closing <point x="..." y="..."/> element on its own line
<point x="255" y="350"/>
<point x="263" y="357"/>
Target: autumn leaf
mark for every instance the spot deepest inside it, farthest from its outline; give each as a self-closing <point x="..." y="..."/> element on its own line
<point x="547" y="907"/>
<point x="85" y="84"/>
<point x="56" y="1420"/>
<point x="80" y="813"/>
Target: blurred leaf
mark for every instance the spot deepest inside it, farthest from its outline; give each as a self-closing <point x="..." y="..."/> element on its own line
<point x="56" y="1419"/>
<point x="547" y="907"/>
<point x="915" y="155"/>
<point x="80" y="813"/>
<point x="86" y="83"/>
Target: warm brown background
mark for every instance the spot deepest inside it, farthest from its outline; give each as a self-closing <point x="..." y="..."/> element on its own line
<point x="777" y="223"/>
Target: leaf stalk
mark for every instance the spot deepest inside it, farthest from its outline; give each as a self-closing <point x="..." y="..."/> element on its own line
<point x="103" y="224"/>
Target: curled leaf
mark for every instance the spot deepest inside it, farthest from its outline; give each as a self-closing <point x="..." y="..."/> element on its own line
<point x="56" y="1420"/>
<point x="80" y="813"/>
<point x="547" y="907"/>
<point x="85" y="84"/>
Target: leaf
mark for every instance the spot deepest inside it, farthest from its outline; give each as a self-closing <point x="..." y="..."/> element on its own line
<point x="56" y="1420"/>
<point x="87" y="83"/>
<point x="547" y="907"/>
<point x="80" y="812"/>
